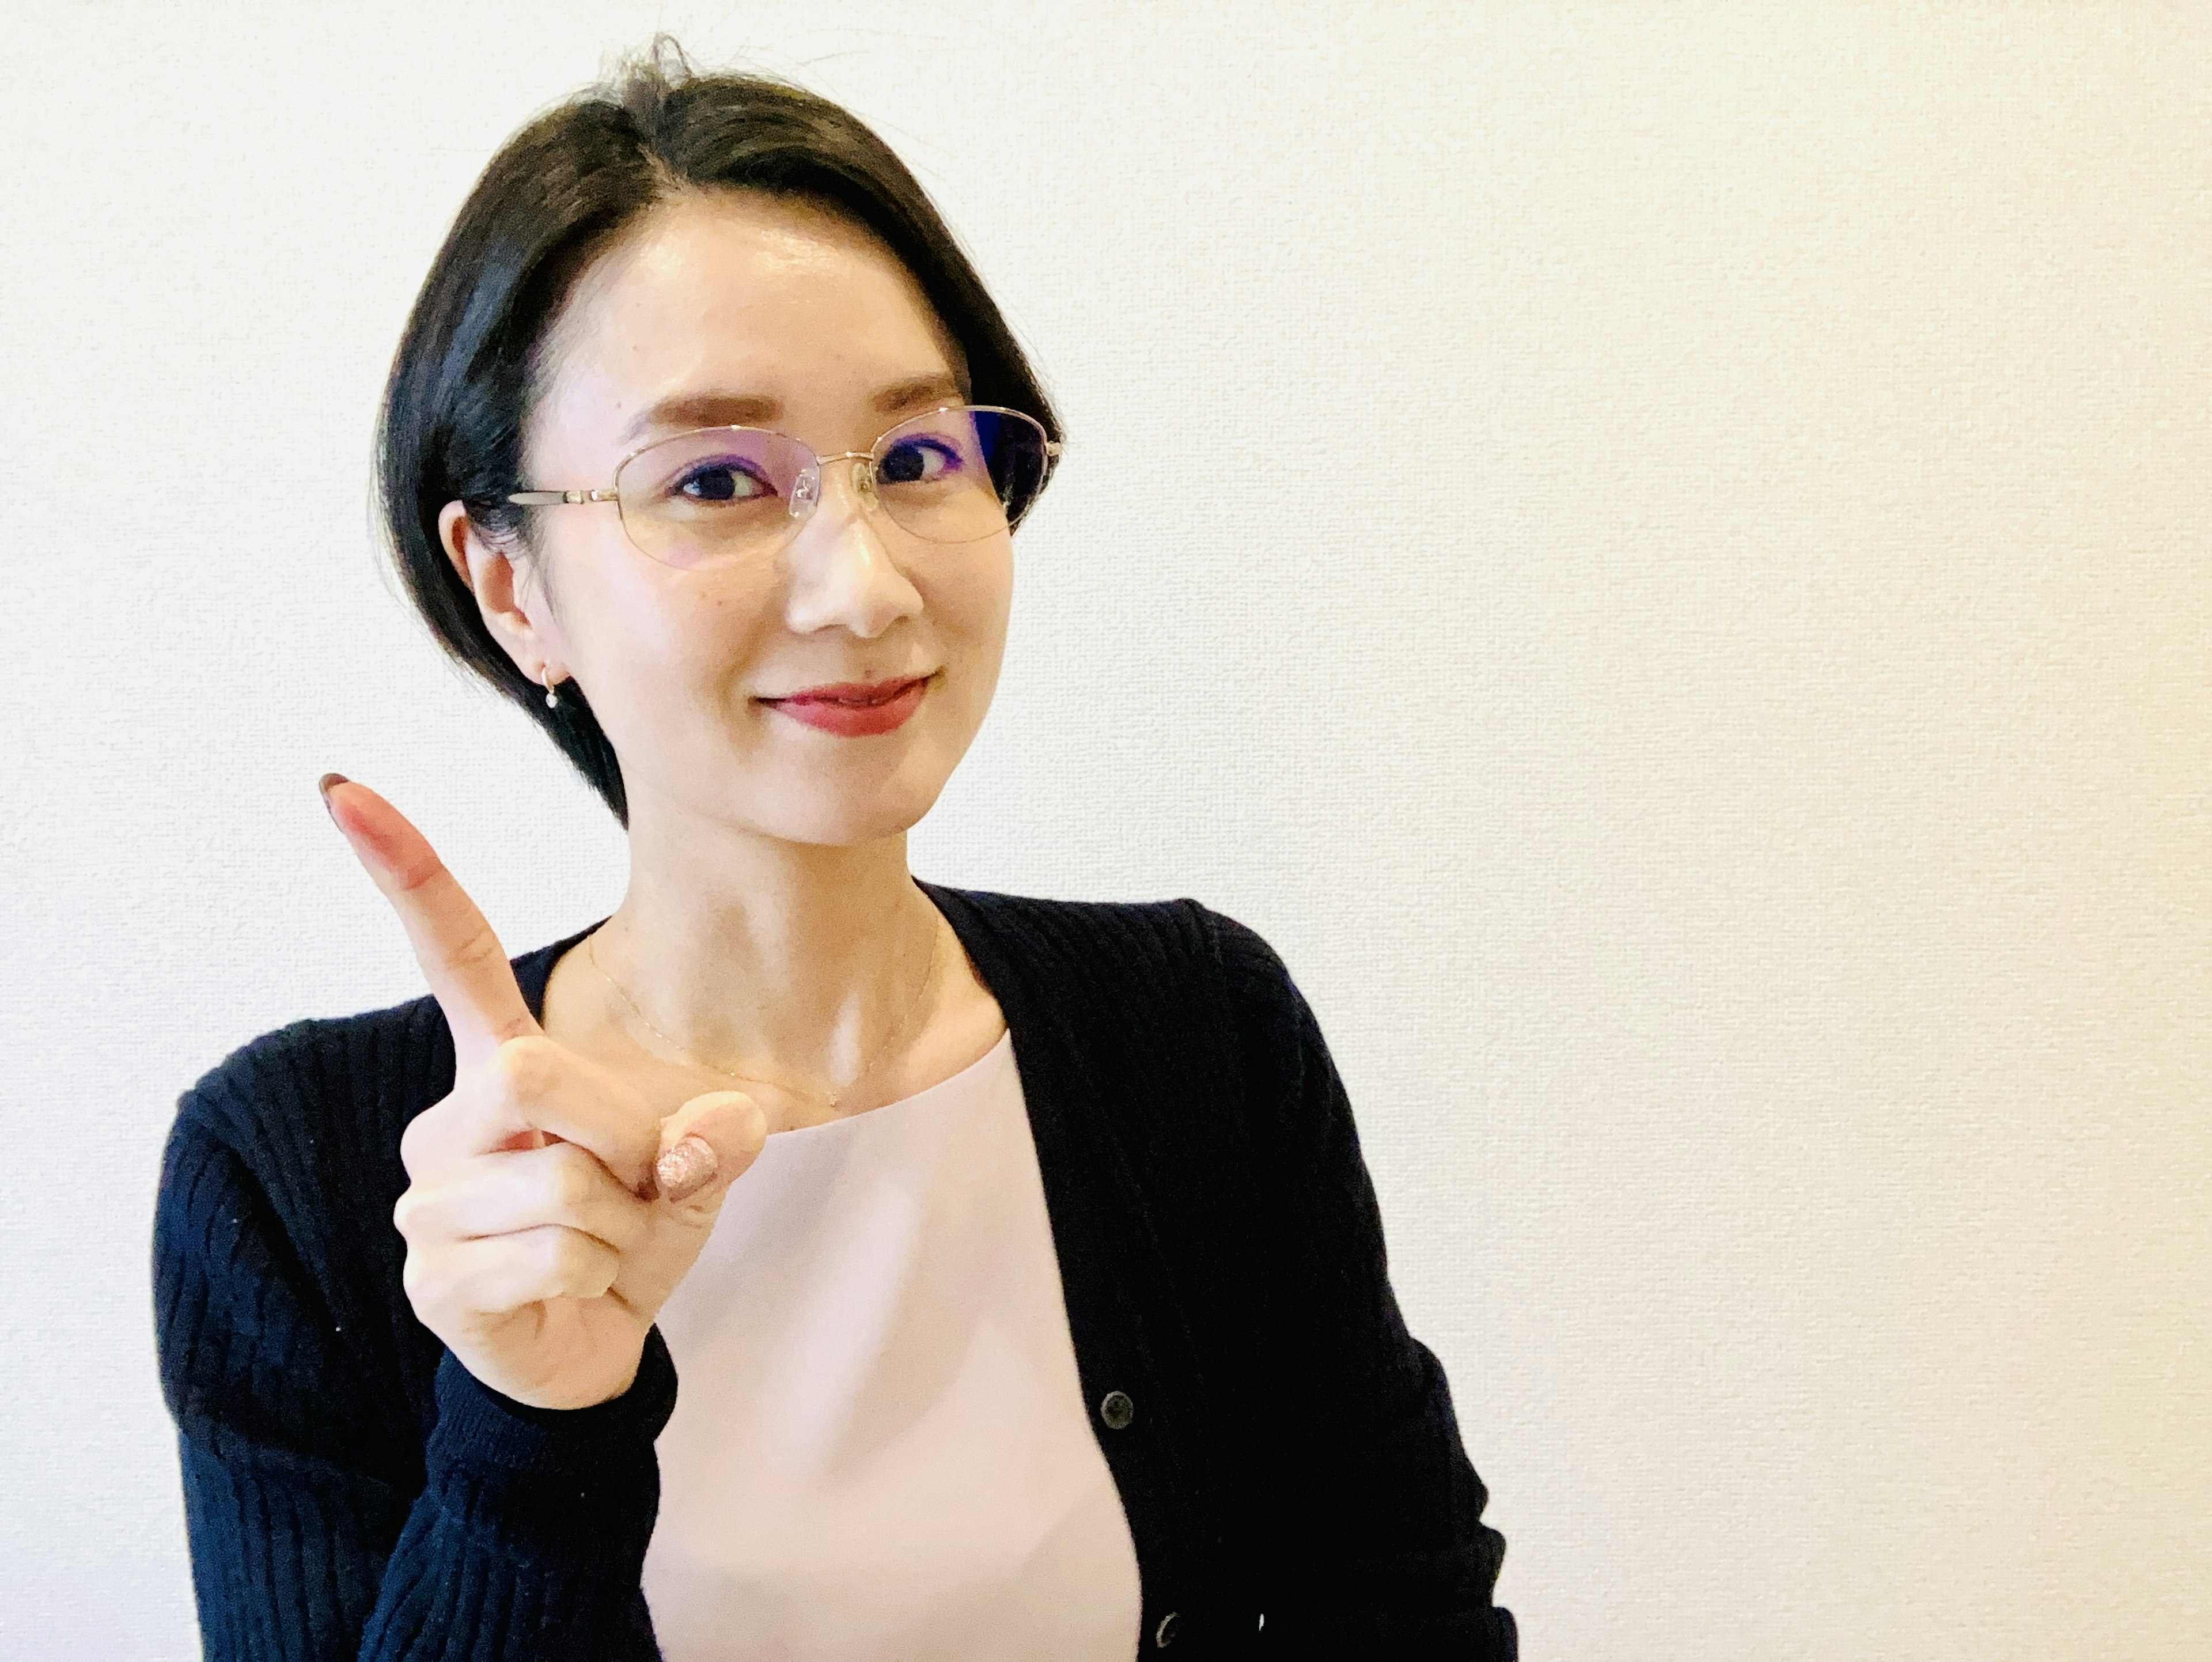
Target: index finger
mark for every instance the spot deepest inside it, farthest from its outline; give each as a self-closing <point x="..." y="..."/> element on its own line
<point x="468" y="970"/>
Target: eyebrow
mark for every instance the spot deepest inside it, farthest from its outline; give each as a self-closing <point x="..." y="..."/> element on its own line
<point x="684" y="410"/>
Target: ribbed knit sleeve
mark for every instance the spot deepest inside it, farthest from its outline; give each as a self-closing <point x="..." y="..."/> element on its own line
<point x="315" y="1533"/>
<point x="1379" y="1548"/>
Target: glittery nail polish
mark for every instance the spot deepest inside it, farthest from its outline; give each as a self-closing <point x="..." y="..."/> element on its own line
<point x="685" y="1168"/>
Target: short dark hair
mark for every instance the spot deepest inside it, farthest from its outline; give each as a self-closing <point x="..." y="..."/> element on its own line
<point x="554" y="196"/>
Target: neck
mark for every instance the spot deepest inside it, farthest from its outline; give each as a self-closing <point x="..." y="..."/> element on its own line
<point x="794" y="960"/>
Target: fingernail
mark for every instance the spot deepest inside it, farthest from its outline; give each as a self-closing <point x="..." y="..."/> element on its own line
<point x="685" y="1168"/>
<point x="323" y="785"/>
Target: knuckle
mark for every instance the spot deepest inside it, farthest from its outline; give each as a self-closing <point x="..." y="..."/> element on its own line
<point x="420" y="1136"/>
<point x="564" y="1251"/>
<point x="576" y="1258"/>
<point x="410" y="1147"/>
<point x="526" y="1066"/>
<point x="511" y="1067"/>
<point x="481" y="947"/>
<point x="625" y="1225"/>
<point x="573" y="1185"/>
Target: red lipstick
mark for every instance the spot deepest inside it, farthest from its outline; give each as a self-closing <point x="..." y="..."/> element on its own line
<point x="854" y="709"/>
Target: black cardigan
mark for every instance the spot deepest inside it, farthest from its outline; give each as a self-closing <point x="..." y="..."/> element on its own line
<point x="1283" y="1446"/>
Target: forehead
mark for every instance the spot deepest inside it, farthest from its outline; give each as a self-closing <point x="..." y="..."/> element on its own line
<point x="736" y="292"/>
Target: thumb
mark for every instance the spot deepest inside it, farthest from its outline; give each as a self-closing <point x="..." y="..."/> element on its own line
<point x="706" y="1145"/>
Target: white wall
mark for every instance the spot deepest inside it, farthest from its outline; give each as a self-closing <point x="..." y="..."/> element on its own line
<point x="1659" y="553"/>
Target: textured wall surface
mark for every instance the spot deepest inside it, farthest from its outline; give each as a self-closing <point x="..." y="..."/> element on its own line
<point x="1658" y="553"/>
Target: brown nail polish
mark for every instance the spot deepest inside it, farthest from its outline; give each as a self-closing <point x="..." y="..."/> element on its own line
<point x="685" y="1168"/>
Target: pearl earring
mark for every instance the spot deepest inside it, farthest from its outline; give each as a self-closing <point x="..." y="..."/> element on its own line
<point x="552" y="701"/>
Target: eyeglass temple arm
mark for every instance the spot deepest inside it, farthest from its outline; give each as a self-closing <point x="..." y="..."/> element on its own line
<point x="552" y="498"/>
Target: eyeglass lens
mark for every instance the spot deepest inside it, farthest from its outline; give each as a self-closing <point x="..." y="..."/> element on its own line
<point x="950" y="475"/>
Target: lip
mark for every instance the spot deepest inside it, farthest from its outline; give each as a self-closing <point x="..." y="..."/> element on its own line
<point x="855" y="721"/>
<point x="850" y="688"/>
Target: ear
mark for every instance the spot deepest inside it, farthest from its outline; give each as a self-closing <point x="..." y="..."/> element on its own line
<point x="487" y="569"/>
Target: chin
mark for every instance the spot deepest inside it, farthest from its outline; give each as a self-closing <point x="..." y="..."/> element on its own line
<point x="820" y="814"/>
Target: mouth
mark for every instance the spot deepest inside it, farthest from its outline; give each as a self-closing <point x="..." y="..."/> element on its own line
<point x="884" y="707"/>
<point x="852" y="694"/>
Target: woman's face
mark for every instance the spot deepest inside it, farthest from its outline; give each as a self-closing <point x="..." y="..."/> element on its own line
<point x="739" y="308"/>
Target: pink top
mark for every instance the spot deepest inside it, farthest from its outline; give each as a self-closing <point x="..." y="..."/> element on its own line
<point x="880" y="1448"/>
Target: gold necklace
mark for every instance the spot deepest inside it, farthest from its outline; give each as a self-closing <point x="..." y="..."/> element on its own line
<point x="936" y="957"/>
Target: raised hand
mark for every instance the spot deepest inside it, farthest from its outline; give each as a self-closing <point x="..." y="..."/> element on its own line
<point x="550" y="1209"/>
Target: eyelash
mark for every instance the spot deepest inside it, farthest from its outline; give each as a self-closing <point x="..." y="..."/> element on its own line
<point x="735" y="467"/>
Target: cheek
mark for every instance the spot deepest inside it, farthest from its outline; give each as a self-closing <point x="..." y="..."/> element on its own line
<point x="692" y="627"/>
<point x="645" y="632"/>
<point x="971" y="614"/>
<point x="972" y="600"/>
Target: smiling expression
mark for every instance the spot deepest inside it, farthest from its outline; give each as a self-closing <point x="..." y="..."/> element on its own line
<point x="739" y="308"/>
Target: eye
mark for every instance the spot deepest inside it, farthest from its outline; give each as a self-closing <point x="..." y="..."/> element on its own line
<point x="918" y="461"/>
<point x="720" y="481"/>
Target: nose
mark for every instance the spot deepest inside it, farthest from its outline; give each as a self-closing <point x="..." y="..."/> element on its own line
<point x="841" y="571"/>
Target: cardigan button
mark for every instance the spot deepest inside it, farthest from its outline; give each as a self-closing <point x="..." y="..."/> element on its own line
<point x="1116" y="1409"/>
<point x="1166" y="1635"/>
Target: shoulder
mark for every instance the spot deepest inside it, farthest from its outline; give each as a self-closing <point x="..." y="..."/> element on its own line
<point x="280" y="1092"/>
<point x="1159" y="943"/>
<point x="1172" y="968"/>
<point x="1148" y="930"/>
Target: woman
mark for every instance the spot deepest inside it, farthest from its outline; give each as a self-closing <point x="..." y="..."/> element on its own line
<point x="1016" y="1257"/>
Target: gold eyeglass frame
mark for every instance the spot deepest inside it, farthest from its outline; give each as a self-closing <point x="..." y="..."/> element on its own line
<point x="807" y="489"/>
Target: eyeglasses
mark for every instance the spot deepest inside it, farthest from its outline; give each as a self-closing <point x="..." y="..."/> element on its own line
<point x="958" y="474"/>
